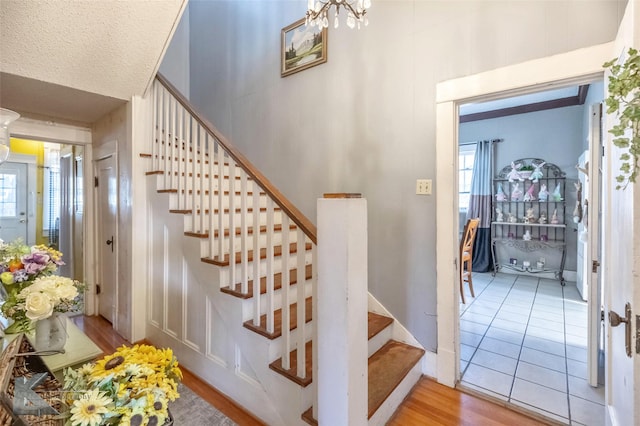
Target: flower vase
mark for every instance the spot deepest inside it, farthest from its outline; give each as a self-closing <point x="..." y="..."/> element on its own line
<point x="51" y="333"/>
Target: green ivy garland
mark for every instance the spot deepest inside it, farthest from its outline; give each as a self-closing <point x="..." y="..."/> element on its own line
<point x="624" y="100"/>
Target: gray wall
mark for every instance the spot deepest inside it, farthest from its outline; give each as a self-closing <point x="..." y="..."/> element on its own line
<point x="365" y="121"/>
<point x="175" y="64"/>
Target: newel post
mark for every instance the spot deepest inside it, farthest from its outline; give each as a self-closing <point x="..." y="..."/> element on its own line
<point x="342" y="310"/>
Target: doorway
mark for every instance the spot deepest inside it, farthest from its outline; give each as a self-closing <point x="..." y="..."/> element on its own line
<point x="524" y="336"/>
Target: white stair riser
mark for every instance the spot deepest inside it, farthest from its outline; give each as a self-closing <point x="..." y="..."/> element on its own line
<point x="182" y="202"/>
<point x="165" y="182"/>
<point x="276" y="349"/>
<point x="277" y="267"/>
<point x="237" y="218"/>
<point x="379" y="340"/>
<point x="237" y="240"/>
<point x="247" y="305"/>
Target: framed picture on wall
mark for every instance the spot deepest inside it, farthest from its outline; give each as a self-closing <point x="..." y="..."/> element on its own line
<point x="302" y="47"/>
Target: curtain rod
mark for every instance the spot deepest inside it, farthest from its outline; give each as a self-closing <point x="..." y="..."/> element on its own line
<point x="472" y="142"/>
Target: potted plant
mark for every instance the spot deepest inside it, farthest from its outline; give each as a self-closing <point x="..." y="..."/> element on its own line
<point x="624" y="101"/>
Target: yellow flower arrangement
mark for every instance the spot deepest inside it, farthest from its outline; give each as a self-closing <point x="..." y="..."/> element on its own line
<point x="132" y="386"/>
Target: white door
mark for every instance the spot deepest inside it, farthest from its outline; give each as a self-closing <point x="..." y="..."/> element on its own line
<point x="592" y="254"/>
<point x="621" y="252"/>
<point x="107" y="242"/>
<point x="13" y="201"/>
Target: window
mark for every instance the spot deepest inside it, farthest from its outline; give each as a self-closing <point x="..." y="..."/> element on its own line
<point x="51" y="192"/>
<point x="8" y="194"/>
<point x="466" y="157"/>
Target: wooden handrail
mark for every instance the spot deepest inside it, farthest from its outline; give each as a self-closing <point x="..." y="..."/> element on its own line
<point x="296" y="215"/>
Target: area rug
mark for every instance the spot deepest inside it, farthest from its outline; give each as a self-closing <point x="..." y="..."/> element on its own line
<point x="191" y="410"/>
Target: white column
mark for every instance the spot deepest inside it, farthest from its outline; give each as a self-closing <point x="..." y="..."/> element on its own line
<point x="342" y="310"/>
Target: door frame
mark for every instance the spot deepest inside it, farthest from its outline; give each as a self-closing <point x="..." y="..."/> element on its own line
<point x="575" y="67"/>
<point x="104" y="151"/>
<point x="52" y="131"/>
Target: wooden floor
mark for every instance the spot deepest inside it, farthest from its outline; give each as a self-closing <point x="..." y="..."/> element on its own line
<point x="428" y="404"/>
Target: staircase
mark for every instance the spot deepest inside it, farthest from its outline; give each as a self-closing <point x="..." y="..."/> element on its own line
<point x="256" y="255"/>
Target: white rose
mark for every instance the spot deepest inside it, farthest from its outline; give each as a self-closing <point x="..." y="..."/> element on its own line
<point x="38" y="306"/>
<point x="67" y="290"/>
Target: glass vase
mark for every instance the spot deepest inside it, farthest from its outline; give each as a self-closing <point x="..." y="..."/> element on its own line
<point x="51" y="333"/>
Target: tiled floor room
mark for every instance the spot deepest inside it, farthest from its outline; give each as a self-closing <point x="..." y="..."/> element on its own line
<point x="524" y="340"/>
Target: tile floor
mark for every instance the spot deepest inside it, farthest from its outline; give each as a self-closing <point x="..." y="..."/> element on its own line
<point x="524" y="340"/>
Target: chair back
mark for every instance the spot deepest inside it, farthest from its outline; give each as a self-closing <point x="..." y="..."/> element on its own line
<point x="469" y="235"/>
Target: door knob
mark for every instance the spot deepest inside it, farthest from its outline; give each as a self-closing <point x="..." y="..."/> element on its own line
<point x="23" y="220"/>
<point x="110" y="243"/>
<point x="615" y="320"/>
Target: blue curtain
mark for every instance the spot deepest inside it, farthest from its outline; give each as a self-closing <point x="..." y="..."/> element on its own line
<point x="480" y="205"/>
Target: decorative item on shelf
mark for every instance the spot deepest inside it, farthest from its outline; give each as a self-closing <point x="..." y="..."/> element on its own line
<point x="318" y="12"/>
<point x="537" y="172"/>
<point x="32" y="292"/>
<point x="514" y="174"/>
<point x="554" y="217"/>
<point x="577" y="211"/>
<point x="525" y="171"/>
<point x="499" y="215"/>
<point x="512" y="218"/>
<point x="516" y="193"/>
<point x="543" y="237"/>
<point x="529" y="195"/>
<point x="556" y="196"/>
<point x="6" y="118"/>
<point x="500" y="195"/>
<point x="543" y="218"/>
<point x="543" y="195"/>
<point x="131" y="386"/>
<point x="526" y="264"/>
<point x="527" y="235"/>
<point x="529" y="218"/>
<point x="513" y="261"/>
<point x="511" y="235"/>
<point x="51" y="333"/>
<point x="540" y="263"/>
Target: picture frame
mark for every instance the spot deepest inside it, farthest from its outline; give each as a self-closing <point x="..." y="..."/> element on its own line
<point x="302" y="47"/>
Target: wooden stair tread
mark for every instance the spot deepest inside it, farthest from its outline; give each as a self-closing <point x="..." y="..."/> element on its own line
<point x="277" y="252"/>
<point x="292" y="373"/>
<point x="277" y="320"/>
<point x="377" y="323"/>
<point x="387" y="368"/>
<point x="277" y="283"/>
<point x="374" y="322"/>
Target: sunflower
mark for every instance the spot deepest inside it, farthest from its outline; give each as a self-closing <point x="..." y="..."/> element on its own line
<point x="88" y="410"/>
<point x="109" y="365"/>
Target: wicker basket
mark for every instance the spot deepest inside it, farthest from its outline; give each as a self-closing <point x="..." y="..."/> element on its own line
<point x="19" y="360"/>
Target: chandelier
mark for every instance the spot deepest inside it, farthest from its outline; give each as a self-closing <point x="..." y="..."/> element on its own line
<point x="6" y="117"/>
<point x="318" y="12"/>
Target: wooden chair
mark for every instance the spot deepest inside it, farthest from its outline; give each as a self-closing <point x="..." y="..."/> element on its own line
<point x="466" y="254"/>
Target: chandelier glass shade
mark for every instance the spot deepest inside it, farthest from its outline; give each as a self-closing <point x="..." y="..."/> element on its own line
<point x="6" y="118"/>
<point x="318" y="12"/>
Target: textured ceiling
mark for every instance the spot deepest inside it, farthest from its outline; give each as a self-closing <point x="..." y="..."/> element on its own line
<point x="80" y="59"/>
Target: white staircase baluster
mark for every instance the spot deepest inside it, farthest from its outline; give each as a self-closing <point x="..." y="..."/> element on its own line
<point x="270" y="308"/>
<point x="165" y="141"/>
<point x="244" y="232"/>
<point x="220" y="168"/>
<point x="213" y="147"/>
<point x="232" y="226"/>
<point x="156" y="129"/>
<point x="300" y="257"/>
<point x="202" y="138"/>
<point x="187" y="165"/>
<point x="314" y="349"/>
<point x="192" y="167"/>
<point x="256" y="249"/>
<point x="286" y="332"/>
<point x="181" y="147"/>
<point x="172" y="143"/>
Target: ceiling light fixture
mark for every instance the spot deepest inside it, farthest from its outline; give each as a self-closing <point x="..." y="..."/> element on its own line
<point x="6" y="118"/>
<point x="318" y="12"/>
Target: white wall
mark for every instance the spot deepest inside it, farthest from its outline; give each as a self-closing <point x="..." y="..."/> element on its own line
<point x="365" y="120"/>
